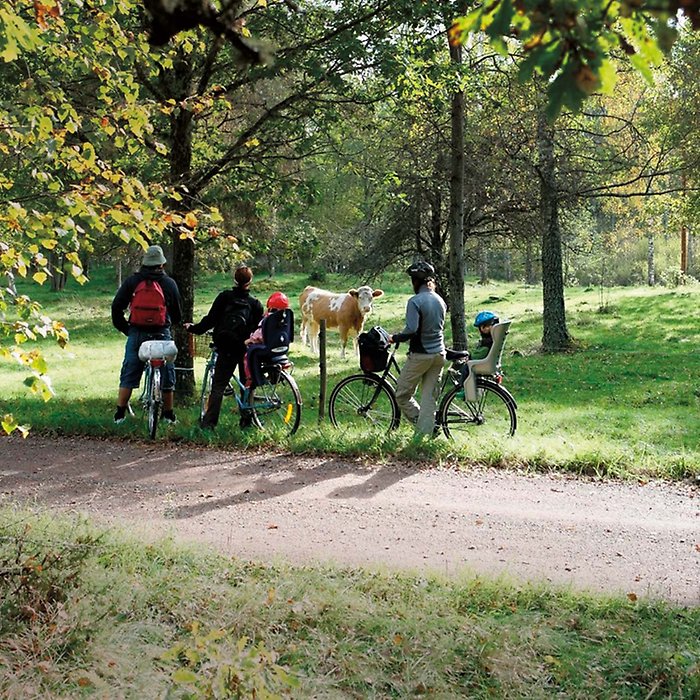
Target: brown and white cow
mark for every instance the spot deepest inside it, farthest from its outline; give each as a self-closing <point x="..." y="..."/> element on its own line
<point x="345" y="311"/>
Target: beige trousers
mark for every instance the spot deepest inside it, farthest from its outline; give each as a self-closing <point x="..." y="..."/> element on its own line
<point x="425" y="370"/>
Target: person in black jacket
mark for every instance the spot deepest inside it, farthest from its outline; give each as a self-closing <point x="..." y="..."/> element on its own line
<point x="231" y="353"/>
<point x="132" y="368"/>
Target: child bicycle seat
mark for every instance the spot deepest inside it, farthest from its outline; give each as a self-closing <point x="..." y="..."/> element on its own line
<point x="489" y="365"/>
<point x="278" y="333"/>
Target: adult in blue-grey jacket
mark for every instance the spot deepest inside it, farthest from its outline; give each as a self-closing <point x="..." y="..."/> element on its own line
<point x="425" y="332"/>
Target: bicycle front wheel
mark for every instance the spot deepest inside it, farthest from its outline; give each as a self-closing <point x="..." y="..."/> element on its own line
<point x="276" y="405"/>
<point x="364" y="401"/>
<point x="154" y="398"/>
<point x="491" y="417"/>
<point x="206" y="389"/>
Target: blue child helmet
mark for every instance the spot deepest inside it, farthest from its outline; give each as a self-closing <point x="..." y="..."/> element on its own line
<point x="484" y="317"/>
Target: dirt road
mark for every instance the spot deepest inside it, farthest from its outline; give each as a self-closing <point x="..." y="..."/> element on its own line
<point x="600" y="536"/>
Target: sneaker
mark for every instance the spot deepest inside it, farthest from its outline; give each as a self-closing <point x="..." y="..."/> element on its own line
<point x="246" y="419"/>
<point x="169" y="417"/>
<point x="120" y="414"/>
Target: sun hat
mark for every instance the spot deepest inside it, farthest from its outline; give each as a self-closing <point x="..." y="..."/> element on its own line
<point x="153" y="256"/>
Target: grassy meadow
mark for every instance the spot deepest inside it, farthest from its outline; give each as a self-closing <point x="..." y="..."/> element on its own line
<point x="623" y="403"/>
<point x="93" y="613"/>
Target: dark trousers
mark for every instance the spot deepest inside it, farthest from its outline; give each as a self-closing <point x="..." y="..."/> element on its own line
<point x="224" y="368"/>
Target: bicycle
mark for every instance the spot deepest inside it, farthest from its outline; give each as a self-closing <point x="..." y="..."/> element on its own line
<point x="154" y="353"/>
<point x="274" y="404"/>
<point x="477" y="403"/>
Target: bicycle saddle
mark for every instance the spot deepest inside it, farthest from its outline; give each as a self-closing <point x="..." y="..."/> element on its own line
<point x="456" y="354"/>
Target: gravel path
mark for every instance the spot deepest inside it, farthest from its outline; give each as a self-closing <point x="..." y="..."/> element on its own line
<point x="598" y="536"/>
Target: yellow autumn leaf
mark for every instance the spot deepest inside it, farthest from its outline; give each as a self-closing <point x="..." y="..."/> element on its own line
<point x="40" y="277"/>
<point x="190" y="220"/>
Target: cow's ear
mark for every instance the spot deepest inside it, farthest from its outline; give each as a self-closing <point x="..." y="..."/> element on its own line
<point x="353" y="293"/>
<point x="377" y="293"/>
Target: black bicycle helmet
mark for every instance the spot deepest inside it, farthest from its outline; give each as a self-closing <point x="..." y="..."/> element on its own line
<point x="421" y="271"/>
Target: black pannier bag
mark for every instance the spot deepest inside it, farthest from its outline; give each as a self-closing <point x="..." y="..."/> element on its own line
<point x="374" y="349"/>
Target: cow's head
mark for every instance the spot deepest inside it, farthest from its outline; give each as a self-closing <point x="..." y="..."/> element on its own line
<point x="365" y="296"/>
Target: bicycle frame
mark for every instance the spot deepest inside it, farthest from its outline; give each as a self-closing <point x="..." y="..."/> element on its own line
<point x="390" y="378"/>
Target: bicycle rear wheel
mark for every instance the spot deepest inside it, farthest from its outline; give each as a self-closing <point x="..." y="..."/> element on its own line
<point x="154" y="401"/>
<point x="491" y="416"/>
<point x="364" y="401"/>
<point x="276" y="405"/>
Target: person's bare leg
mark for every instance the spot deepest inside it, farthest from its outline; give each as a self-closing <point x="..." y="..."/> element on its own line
<point x="123" y="396"/>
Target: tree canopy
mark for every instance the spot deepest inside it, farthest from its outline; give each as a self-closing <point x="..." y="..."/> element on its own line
<point x="573" y="43"/>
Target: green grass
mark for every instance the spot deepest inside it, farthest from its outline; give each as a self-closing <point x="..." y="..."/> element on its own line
<point x="91" y="613"/>
<point x="623" y="403"/>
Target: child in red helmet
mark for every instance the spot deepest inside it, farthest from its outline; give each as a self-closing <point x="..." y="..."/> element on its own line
<point x="277" y="301"/>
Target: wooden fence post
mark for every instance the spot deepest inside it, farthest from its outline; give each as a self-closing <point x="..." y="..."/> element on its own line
<point x="322" y="370"/>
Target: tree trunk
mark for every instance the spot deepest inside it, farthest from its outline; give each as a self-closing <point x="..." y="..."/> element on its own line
<point x="684" y="250"/>
<point x="530" y="277"/>
<point x="483" y="262"/>
<point x="555" y="336"/>
<point x="651" y="278"/>
<point x="691" y="254"/>
<point x="456" y="218"/>
<point x="507" y="266"/>
<point x="57" y="263"/>
<point x="183" y="249"/>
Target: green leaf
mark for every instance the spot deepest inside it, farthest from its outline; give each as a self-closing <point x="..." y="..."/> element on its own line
<point x="182" y="675"/>
<point x="500" y="25"/>
<point x="608" y="77"/>
<point x="642" y="65"/>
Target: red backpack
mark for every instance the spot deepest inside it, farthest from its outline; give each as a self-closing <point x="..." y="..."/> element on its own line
<point x="147" y="308"/>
